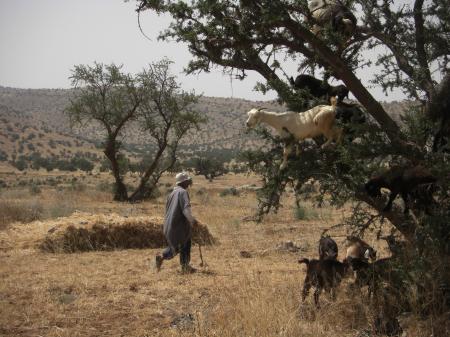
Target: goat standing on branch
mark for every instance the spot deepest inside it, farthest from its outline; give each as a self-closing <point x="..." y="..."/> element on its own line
<point x="403" y="181"/>
<point x="319" y="88"/>
<point x="315" y="122"/>
<point x="332" y="12"/>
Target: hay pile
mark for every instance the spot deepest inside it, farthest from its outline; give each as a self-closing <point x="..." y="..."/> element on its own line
<point x="110" y="232"/>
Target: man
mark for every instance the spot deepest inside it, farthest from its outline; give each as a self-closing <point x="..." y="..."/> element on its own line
<point x="178" y="224"/>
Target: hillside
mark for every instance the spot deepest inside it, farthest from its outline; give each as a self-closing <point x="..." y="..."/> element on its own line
<point x="33" y="121"/>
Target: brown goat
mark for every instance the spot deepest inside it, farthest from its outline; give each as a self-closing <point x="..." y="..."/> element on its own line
<point x="323" y="274"/>
<point x="328" y="249"/>
<point x="403" y="181"/>
<point x="359" y="249"/>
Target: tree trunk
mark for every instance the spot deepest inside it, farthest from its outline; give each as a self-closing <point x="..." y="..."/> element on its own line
<point x="404" y="223"/>
<point x="120" y="193"/>
<point x="143" y="190"/>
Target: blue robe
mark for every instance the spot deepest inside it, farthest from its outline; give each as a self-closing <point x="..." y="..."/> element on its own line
<point x="178" y="219"/>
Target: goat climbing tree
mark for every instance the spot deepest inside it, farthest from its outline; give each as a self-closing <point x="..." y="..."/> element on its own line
<point x="410" y="48"/>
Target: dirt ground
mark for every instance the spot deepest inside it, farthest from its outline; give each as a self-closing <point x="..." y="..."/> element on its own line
<point x="119" y="293"/>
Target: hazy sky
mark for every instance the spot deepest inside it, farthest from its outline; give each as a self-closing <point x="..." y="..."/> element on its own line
<point x="41" y="40"/>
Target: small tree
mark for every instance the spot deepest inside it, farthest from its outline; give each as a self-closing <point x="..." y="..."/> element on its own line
<point x="150" y="102"/>
<point x="210" y="168"/>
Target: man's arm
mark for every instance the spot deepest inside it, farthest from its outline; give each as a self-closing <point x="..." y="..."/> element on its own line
<point x="188" y="214"/>
<point x="186" y="207"/>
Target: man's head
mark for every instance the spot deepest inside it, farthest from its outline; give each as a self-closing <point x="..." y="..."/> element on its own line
<point x="183" y="180"/>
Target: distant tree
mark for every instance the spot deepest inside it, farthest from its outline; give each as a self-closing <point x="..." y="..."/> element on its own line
<point x="151" y="101"/>
<point x="83" y="164"/>
<point x="20" y="164"/>
<point x="3" y="156"/>
<point x="210" y="168"/>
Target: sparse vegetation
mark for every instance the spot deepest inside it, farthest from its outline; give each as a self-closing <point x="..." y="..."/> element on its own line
<point x="235" y="292"/>
<point x="19" y="211"/>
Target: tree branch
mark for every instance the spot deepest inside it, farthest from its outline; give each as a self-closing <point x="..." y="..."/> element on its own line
<point x="424" y="74"/>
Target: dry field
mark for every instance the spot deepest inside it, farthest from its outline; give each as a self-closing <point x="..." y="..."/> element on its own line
<point x="118" y="293"/>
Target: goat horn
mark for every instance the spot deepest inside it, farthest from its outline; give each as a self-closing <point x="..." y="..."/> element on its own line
<point x="261" y="108"/>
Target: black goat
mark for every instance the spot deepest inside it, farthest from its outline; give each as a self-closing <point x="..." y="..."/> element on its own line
<point x="323" y="274"/>
<point x="318" y="88"/>
<point x="328" y="249"/>
<point x="403" y="181"/>
<point x="340" y="91"/>
<point x="350" y="113"/>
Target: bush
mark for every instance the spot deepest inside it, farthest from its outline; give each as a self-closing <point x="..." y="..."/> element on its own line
<point x="35" y="189"/>
<point x="229" y="191"/>
<point x="300" y="213"/>
<point x="60" y="209"/>
<point x="105" y="187"/>
<point x="3" y="156"/>
<point x="303" y="213"/>
<point x="77" y="186"/>
<point x="20" y="164"/>
<point x="19" y="211"/>
<point x="51" y="181"/>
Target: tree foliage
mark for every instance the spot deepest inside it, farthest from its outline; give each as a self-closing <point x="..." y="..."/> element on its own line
<point x="150" y="102"/>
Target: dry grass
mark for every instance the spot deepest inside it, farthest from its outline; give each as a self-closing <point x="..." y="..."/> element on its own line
<point x="118" y="293"/>
<point x="85" y="232"/>
<point x="19" y="211"/>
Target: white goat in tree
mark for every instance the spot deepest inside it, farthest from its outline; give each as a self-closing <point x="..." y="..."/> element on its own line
<point x="317" y="121"/>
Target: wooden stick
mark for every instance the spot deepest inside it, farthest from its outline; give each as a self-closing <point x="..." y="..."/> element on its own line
<point x="201" y="256"/>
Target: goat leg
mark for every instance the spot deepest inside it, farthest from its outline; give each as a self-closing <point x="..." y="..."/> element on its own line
<point x="286" y="152"/>
<point x="306" y="287"/>
<point x="388" y="206"/>
<point x="316" y="296"/>
<point x="405" y="198"/>
<point x="333" y="294"/>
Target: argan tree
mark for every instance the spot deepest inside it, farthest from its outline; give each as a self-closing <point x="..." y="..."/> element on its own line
<point x="210" y="168"/>
<point x="409" y="46"/>
<point x="150" y="103"/>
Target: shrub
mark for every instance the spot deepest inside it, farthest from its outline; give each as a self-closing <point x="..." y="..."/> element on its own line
<point x="20" y="164"/>
<point x="60" y="209"/>
<point x="105" y="187"/>
<point x="3" y="156"/>
<point x="77" y="186"/>
<point x="303" y="213"/>
<point x="19" y="211"/>
<point x="300" y="213"/>
<point x="229" y="191"/>
<point x="52" y="181"/>
<point x="35" y="189"/>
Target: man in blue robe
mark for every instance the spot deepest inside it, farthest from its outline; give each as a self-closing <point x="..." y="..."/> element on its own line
<point x="178" y="224"/>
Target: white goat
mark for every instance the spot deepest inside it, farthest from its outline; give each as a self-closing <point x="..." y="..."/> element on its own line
<point x="317" y="121"/>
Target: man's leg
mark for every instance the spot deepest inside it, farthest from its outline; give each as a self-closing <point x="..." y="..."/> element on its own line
<point x="185" y="257"/>
<point x="167" y="254"/>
